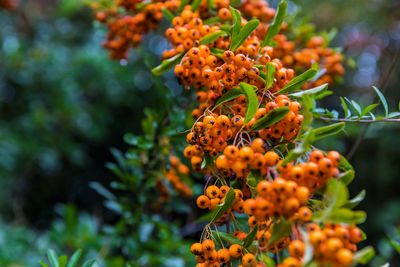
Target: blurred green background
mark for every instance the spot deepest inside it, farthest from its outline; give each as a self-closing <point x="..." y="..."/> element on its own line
<point x="64" y="104"/>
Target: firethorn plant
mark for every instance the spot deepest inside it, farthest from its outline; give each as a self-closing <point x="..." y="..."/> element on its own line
<point x="274" y="198"/>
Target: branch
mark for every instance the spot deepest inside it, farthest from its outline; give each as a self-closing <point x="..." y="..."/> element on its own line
<point x="360" y="121"/>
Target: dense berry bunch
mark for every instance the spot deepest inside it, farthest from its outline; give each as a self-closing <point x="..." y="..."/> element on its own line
<point x="251" y="136"/>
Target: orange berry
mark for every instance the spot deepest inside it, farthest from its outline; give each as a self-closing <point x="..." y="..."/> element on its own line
<point x="212" y="191"/>
<point x="305" y="214"/>
<point x="196" y="249"/>
<point x="223" y="255"/>
<point x="248" y="260"/>
<point x="231" y="152"/>
<point x="208" y="245"/>
<point x="344" y="257"/>
<point x="203" y="202"/>
<point x="246" y="153"/>
<point x="271" y="158"/>
<point x="235" y="251"/>
<point x="296" y="248"/>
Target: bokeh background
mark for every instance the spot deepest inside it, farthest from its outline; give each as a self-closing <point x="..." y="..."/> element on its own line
<point x="65" y="107"/>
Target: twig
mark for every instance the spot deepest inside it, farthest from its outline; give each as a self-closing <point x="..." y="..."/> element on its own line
<point x="360" y="121"/>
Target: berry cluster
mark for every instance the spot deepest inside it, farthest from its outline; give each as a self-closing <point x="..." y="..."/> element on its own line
<point x="333" y="245"/>
<point x="214" y="196"/>
<point x="172" y="176"/>
<point x="125" y="30"/>
<point x="314" y="173"/>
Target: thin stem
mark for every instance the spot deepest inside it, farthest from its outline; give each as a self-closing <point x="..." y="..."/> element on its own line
<point x="360" y="121"/>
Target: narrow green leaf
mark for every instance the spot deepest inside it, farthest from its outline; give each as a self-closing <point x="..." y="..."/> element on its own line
<point x="276" y="24"/>
<point x="89" y="263"/>
<point x="209" y="38"/>
<point x="301" y="148"/>
<point x="62" y="260"/>
<point x="345" y="108"/>
<point x="347" y="177"/>
<point x="252" y="182"/>
<point x="53" y="258"/>
<point x="216" y="236"/>
<point x="217" y="52"/>
<point x="230" y="95"/>
<point x="336" y="194"/>
<point x="383" y="100"/>
<point x="268" y="261"/>
<point x="205" y="217"/>
<point x="167" y="64"/>
<point x="43" y="264"/>
<point x="364" y="255"/>
<point x="296" y="83"/>
<point x="355" y="106"/>
<point x="212" y="21"/>
<point x="75" y="258"/>
<point x="250" y="237"/>
<point x="195" y="5"/>
<point x="182" y="5"/>
<point x="348" y="216"/>
<point x="222" y="208"/>
<point x="393" y="115"/>
<point x="270" y="75"/>
<point x="210" y="4"/>
<point x="325" y="131"/>
<point x="168" y="14"/>
<point x="251" y="99"/>
<point x="308" y="106"/>
<point x="247" y="29"/>
<point x="312" y="92"/>
<point x="356" y="200"/>
<point x="344" y="164"/>
<point x="395" y="244"/>
<point x="207" y="162"/>
<point x="236" y="24"/>
<point x="271" y="118"/>
<point x="366" y="110"/>
<point x="279" y="231"/>
<point x="228" y="237"/>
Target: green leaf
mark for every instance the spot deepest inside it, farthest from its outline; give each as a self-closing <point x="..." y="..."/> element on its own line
<point x="210" y="38"/>
<point x="345" y="108"/>
<point x="62" y="260"/>
<point x="182" y="5"/>
<point x="167" y="64"/>
<point x="236" y="23"/>
<point x="75" y="258"/>
<point x="247" y="29"/>
<point x="270" y="75"/>
<point x="280" y="230"/>
<point x="356" y="200"/>
<point x="195" y="5"/>
<point x="228" y="237"/>
<point x="364" y="255"/>
<point x="250" y="237"/>
<point x="230" y="95"/>
<point x="366" y="110"/>
<point x="325" y="131"/>
<point x="383" y="100"/>
<point x="271" y="118"/>
<point x="301" y="148"/>
<point x="205" y="217"/>
<point x="131" y="139"/>
<point x="217" y="52"/>
<point x="216" y="236"/>
<point x="348" y="216"/>
<point x="53" y="258"/>
<point x="268" y="261"/>
<point x="168" y="14"/>
<point x="393" y="115"/>
<point x="212" y="21"/>
<point x="252" y="182"/>
<point x="275" y="26"/>
<point x="296" y="83"/>
<point x="336" y="194"/>
<point x="344" y="164"/>
<point x="308" y="106"/>
<point x="210" y="4"/>
<point x="89" y="263"/>
<point x="43" y="264"/>
<point x="222" y="208"/>
<point x="347" y="177"/>
<point x="395" y="244"/>
<point x="252" y="101"/>
<point x="312" y="92"/>
<point x="207" y="162"/>
<point x="356" y="107"/>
